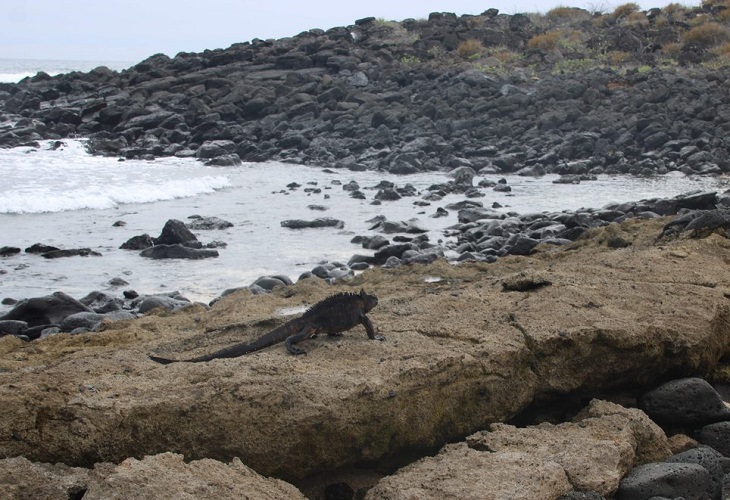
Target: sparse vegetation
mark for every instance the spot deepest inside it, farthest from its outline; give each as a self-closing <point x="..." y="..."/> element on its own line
<point x="625" y="10"/>
<point x="573" y="65"/>
<point x="503" y="54"/>
<point x="708" y="34"/>
<point x="722" y="50"/>
<point x="546" y="41"/>
<point x="637" y="19"/>
<point x="470" y="48"/>
<point x="721" y="11"/>
<point x="566" y="39"/>
<point x="672" y="48"/>
<point x="617" y="57"/>
<point x="675" y="10"/>
<point x="410" y="60"/>
<point x="570" y="14"/>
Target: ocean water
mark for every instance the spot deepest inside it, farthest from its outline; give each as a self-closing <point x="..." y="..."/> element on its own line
<point x="14" y="70"/>
<point x="70" y="199"/>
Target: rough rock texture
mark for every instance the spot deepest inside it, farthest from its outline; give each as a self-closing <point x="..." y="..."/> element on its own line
<point x="462" y="472"/>
<point x="47" y="310"/>
<point x="541" y="462"/>
<point x="160" y="476"/>
<point x="460" y="354"/>
<point x="666" y="480"/>
<point x="685" y="402"/>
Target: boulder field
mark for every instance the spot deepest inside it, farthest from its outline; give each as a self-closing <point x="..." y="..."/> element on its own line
<point x="467" y="346"/>
<point x="609" y="95"/>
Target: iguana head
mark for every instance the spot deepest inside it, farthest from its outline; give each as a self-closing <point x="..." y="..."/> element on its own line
<point x="369" y="301"/>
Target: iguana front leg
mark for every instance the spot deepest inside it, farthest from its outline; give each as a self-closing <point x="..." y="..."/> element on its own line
<point x="370" y="329"/>
<point x="307" y="332"/>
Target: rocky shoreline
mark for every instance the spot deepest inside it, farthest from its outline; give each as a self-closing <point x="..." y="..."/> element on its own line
<point x="404" y="97"/>
<point x="571" y="344"/>
<point x="482" y="235"/>
<point x="571" y="355"/>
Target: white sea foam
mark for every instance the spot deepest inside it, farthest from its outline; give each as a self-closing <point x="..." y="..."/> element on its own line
<point x="46" y="180"/>
<point x="15" y="76"/>
<point x="14" y="70"/>
<point x="105" y="196"/>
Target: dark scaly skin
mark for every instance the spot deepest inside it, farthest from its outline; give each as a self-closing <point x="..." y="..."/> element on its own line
<point x="333" y="315"/>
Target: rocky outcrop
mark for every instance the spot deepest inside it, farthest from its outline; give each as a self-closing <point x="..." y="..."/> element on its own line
<point x="159" y="476"/>
<point x="315" y="223"/>
<point x="590" y="454"/>
<point x="176" y="241"/>
<point x="400" y="97"/>
<point x="460" y="354"/>
<point x="177" y="252"/>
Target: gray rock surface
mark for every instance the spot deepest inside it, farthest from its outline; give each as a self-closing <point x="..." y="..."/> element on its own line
<point x="664" y="479"/>
<point x="689" y="402"/>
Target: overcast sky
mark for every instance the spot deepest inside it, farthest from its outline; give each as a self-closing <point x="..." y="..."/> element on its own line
<point x="132" y="30"/>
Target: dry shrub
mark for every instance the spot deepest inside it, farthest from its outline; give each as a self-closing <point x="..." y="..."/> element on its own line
<point x="546" y="41"/>
<point x="722" y="13"/>
<point x="470" y="48"/>
<point x="602" y="21"/>
<point x="672" y="48"/>
<point x="707" y="35"/>
<point x="617" y="57"/>
<point x="617" y="84"/>
<point x="625" y="10"/>
<point x="562" y="13"/>
<point x="699" y="20"/>
<point x="637" y="19"/>
<point x="504" y="55"/>
<point x="675" y="10"/>
<point x="722" y="50"/>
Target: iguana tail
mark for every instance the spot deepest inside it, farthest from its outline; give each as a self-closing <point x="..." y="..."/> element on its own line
<point x="275" y="336"/>
<point x="163" y="361"/>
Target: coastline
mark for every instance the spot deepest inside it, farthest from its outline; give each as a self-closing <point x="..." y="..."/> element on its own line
<point x="456" y="338"/>
<point x="546" y="353"/>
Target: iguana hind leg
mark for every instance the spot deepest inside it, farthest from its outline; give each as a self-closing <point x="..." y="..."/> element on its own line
<point x="307" y="332"/>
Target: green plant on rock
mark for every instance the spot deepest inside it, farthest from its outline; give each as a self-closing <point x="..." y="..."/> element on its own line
<point x="384" y="22"/>
<point x="573" y="65"/>
<point x="436" y="52"/>
<point x="398" y="34"/>
<point x="410" y="60"/>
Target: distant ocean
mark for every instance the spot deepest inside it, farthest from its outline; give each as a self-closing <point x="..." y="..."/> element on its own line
<point x="14" y="70"/>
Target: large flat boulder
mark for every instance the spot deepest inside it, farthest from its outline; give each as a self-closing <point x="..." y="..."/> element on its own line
<point x="460" y="354"/>
<point x="540" y="462"/>
<point x="160" y="476"/>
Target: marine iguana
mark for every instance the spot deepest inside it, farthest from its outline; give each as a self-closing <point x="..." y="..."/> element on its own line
<point x="333" y="315"/>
